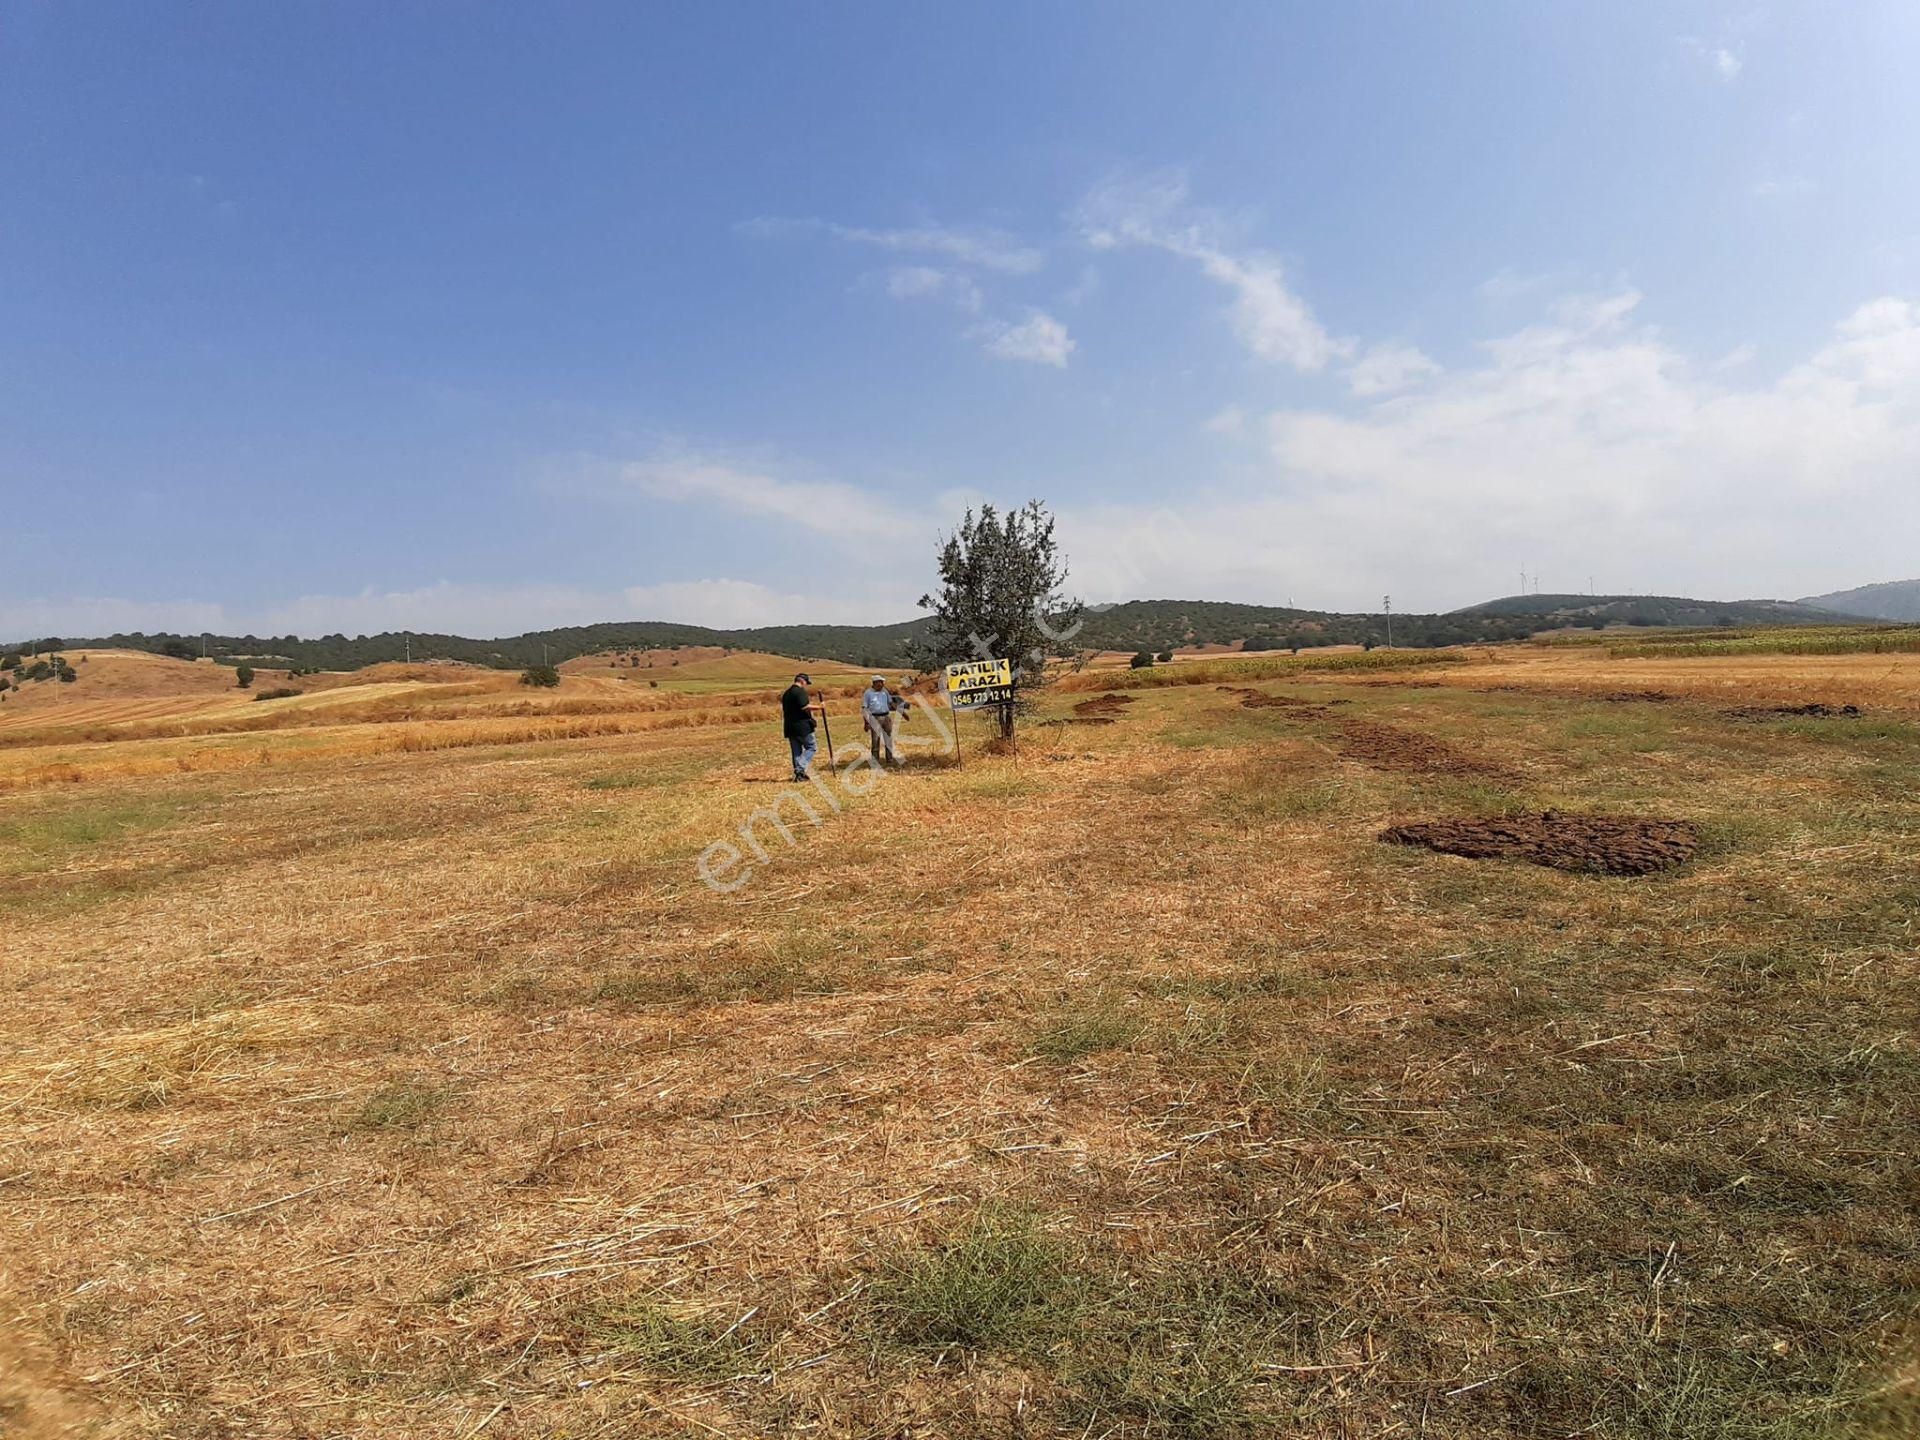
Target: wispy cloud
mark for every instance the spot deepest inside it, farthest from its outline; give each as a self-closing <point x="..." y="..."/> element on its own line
<point x="1782" y="187"/>
<point x="1155" y="211"/>
<point x="981" y="248"/>
<point x="825" y="507"/>
<point x="1039" y="340"/>
<point x="926" y="282"/>
<point x="1721" y="61"/>
<point x="1384" y="369"/>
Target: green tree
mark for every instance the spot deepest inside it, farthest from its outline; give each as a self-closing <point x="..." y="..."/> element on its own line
<point x="1000" y="597"/>
<point x="541" y="675"/>
<point x="1141" y="660"/>
<point x="243" y="675"/>
<point x="179" y="650"/>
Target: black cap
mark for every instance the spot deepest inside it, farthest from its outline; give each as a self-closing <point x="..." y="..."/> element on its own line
<point x="803" y="678"/>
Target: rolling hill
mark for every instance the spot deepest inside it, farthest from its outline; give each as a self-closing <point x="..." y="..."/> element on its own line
<point x="1895" y="600"/>
<point x="1565" y="610"/>
<point x="1134" y="625"/>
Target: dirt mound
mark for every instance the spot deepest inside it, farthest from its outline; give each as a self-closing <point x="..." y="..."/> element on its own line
<point x="1261" y="700"/>
<point x="1110" y="704"/>
<point x="1592" y="844"/>
<point x="1081" y="720"/>
<point x="1636" y="697"/>
<point x="1815" y="710"/>
<point x="1387" y="747"/>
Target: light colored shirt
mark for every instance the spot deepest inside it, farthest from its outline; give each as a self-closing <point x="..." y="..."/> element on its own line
<point x="876" y="702"/>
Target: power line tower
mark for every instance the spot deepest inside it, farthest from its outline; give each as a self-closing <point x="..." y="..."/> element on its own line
<point x="1386" y="604"/>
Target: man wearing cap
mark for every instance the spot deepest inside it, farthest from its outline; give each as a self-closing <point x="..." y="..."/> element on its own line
<point x="877" y="704"/>
<point x="796" y="720"/>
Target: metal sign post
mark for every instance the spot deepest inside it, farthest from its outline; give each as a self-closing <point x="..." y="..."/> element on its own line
<point x="976" y="685"/>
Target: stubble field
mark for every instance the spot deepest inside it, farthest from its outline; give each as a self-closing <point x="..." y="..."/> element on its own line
<point x="388" y="1070"/>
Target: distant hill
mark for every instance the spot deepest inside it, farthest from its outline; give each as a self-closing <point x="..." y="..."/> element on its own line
<point x="1596" y="610"/>
<point x="1135" y="625"/>
<point x="1895" y="600"/>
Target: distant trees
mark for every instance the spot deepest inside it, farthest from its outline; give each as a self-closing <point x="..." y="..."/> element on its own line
<point x="11" y="661"/>
<point x="544" y="676"/>
<point x="179" y="650"/>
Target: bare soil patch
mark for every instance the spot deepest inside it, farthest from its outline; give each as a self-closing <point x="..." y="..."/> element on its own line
<point x="1387" y="747"/>
<point x="1592" y="844"/>
<point x="1814" y="710"/>
<point x="1260" y="700"/>
<point x="1109" y="704"/>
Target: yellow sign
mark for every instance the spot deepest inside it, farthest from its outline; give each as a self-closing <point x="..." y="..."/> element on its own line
<point x="979" y="682"/>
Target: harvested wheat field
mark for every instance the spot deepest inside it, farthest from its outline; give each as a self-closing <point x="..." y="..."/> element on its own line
<point x="384" y="1067"/>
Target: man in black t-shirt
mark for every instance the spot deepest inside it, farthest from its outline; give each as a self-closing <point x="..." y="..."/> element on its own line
<point x="796" y="722"/>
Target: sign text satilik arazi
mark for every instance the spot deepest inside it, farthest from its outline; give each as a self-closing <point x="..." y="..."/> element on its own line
<point x="974" y="683"/>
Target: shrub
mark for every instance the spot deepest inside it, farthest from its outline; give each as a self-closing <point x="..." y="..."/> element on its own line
<point x="544" y="676"/>
<point x="284" y="692"/>
<point x="243" y="676"/>
<point x="1141" y="660"/>
<point x="11" y="662"/>
<point x="1166" y="657"/>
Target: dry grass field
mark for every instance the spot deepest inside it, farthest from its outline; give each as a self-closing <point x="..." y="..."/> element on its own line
<point x="374" y="1062"/>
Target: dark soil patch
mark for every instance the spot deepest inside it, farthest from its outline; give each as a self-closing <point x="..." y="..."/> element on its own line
<point x="1591" y="844"/>
<point x="1109" y="704"/>
<point x="1261" y="700"/>
<point x="1777" y="712"/>
<point x="1081" y="720"/>
<point x="1607" y="697"/>
<point x="1387" y="747"/>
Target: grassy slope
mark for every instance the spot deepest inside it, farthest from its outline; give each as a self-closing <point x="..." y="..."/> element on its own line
<point x="1125" y="1088"/>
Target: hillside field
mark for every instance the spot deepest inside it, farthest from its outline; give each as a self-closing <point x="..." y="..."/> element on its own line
<point x="376" y="1062"/>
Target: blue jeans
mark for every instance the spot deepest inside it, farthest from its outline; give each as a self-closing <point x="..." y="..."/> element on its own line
<point x="804" y="748"/>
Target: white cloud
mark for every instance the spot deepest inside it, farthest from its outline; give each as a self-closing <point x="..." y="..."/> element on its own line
<point x="1039" y="340"/>
<point x="1384" y="369"/>
<point x="925" y="282"/>
<point x="1584" y="445"/>
<point x="1154" y="212"/>
<point x="478" y="611"/>
<point x="1231" y="420"/>
<point x="101" y="615"/>
<point x="982" y="248"/>
<point x="826" y="507"/>
<point x="1783" y="187"/>
<point x="1722" y="61"/>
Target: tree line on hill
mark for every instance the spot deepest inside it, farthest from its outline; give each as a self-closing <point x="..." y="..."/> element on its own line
<point x="1153" y="626"/>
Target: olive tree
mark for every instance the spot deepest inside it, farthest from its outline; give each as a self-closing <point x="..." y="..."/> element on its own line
<point x="1000" y="597"/>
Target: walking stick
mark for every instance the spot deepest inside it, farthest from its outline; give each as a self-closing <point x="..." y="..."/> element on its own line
<point x="827" y="726"/>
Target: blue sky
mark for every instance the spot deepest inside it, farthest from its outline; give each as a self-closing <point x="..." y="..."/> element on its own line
<point x="352" y="317"/>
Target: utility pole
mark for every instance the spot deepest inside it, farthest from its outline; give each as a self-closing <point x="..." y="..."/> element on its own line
<point x="408" y="638"/>
<point x="1386" y="603"/>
